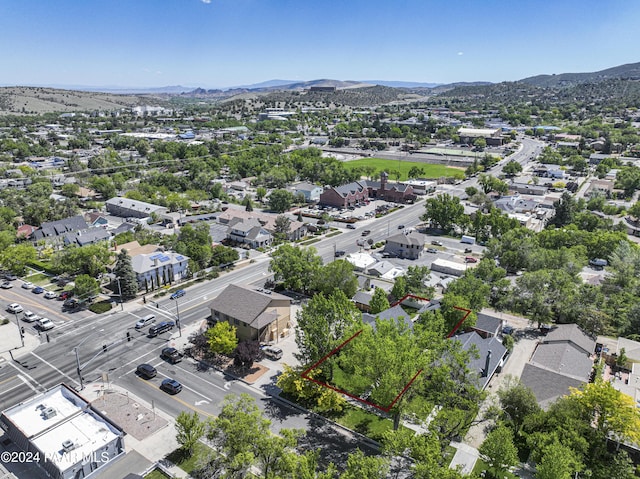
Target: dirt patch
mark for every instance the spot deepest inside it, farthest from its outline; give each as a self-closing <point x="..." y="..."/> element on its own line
<point x="134" y="418"/>
<point x="248" y="375"/>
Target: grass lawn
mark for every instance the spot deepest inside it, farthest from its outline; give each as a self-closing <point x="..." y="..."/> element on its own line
<point x="483" y="466"/>
<point x="366" y="423"/>
<point x="40" y="279"/>
<point x="188" y="463"/>
<point x="403" y="166"/>
<point x="156" y="474"/>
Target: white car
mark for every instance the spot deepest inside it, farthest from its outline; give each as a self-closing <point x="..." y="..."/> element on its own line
<point x="15" y="308"/>
<point x="50" y="295"/>
<point x="27" y="285"/>
<point x="45" y="324"/>
<point x="30" y="317"/>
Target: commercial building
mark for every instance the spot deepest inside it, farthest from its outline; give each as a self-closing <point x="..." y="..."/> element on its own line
<point x="126" y="208"/>
<point x="68" y="437"/>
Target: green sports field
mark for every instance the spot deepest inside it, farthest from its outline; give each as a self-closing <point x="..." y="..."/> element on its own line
<point x="403" y="166"/>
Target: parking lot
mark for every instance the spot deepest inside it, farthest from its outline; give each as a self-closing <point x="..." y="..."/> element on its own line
<point x="41" y="304"/>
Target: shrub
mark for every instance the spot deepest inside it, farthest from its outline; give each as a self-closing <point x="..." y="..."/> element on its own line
<point x="4" y="321"/>
<point x="101" y="307"/>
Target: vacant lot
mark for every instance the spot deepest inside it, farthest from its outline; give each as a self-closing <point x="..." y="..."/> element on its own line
<point x="429" y="170"/>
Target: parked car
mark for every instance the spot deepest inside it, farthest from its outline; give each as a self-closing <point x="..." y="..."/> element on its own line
<point x="30" y="316"/>
<point x="45" y="324"/>
<point x="145" y="321"/>
<point x="15" y="308"/>
<point x="146" y="371"/>
<point x="468" y="250"/>
<point x="27" y="285"/>
<point x="71" y="303"/>
<point x="436" y="242"/>
<point x="38" y="290"/>
<point x="171" y="354"/>
<point x="10" y="277"/>
<point x="470" y="259"/>
<point x="50" y="295"/>
<point x="432" y="250"/>
<point x="6" y="285"/>
<point x="65" y="295"/>
<point x="272" y="352"/>
<point x="171" y="386"/>
<point x="351" y="226"/>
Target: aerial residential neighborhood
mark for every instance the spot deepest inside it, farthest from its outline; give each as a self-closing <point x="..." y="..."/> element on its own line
<point x="323" y="279"/>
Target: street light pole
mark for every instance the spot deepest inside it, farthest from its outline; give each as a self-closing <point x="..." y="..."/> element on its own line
<point x="178" y="318"/>
<point x="78" y="367"/>
<point x="120" y="294"/>
<point x="19" y="329"/>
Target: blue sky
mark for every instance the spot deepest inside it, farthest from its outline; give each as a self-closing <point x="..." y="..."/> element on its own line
<point x="222" y="43"/>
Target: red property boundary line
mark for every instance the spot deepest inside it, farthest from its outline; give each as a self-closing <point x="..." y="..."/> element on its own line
<point x="305" y="374"/>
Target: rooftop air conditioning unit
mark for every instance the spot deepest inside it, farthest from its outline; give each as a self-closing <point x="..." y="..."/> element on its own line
<point x="67" y="445"/>
<point x="48" y="413"/>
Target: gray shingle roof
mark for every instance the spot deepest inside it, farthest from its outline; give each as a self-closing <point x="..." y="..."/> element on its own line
<point x="487" y="323"/>
<point x="246" y="304"/>
<point x="473" y="341"/>
<point x="56" y="228"/>
<point x="413" y="238"/>
<point x="573" y="333"/>
<point x="396" y="312"/>
<point x="546" y="385"/>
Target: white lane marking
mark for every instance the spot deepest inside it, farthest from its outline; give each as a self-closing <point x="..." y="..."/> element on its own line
<point x="54" y="368"/>
<point x="32" y="379"/>
<point x="200" y="403"/>
<point x="201" y="379"/>
<point x="24" y="380"/>
<point x="187" y="387"/>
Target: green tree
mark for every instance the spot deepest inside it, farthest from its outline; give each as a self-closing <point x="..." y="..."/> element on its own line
<point x="444" y="211"/>
<point x="189" y="430"/>
<point x="566" y="208"/>
<point x="280" y="200"/>
<point x="16" y="257"/>
<point x="282" y="225"/>
<point x="499" y="450"/>
<point x="323" y="323"/>
<point x="360" y="466"/>
<point x="379" y="301"/>
<point x="247" y="203"/>
<point x="86" y="287"/>
<point x="295" y="267"/>
<point x="126" y="283"/>
<point x="261" y="192"/>
<point x="512" y="168"/>
<point x="337" y="275"/>
<point x="415" y="277"/>
<point x="195" y="242"/>
<point x="399" y="289"/>
<point x="613" y="413"/>
<point x="518" y="402"/>
<point x="557" y="462"/>
<point x="222" y="338"/>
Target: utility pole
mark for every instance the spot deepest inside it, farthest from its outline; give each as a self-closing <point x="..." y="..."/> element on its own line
<point x="120" y="294"/>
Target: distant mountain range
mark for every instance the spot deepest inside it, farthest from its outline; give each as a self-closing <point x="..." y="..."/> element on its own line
<point x="629" y="71"/>
<point x="40" y="99"/>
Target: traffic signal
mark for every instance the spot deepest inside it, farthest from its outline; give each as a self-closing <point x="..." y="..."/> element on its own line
<point x="128" y="336"/>
<point x="104" y="348"/>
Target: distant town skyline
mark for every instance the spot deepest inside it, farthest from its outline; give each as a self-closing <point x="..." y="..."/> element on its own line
<point x="225" y="43"/>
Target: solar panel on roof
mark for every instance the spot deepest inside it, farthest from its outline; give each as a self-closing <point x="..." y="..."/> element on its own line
<point x="179" y="257"/>
<point x="164" y="258"/>
<point x="155" y="256"/>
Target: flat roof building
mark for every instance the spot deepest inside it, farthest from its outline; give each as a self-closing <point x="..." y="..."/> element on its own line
<point x="67" y="436"/>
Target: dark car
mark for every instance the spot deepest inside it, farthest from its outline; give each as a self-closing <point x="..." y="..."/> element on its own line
<point x="178" y="294"/>
<point x="171" y="386"/>
<point x="339" y="253"/>
<point x="38" y="290"/>
<point x="351" y="226"/>
<point x="161" y="328"/>
<point x="366" y="233"/>
<point x="146" y="371"/>
<point x="171" y="354"/>
<point x="71" y="303"/>
<point x="400" y="227"/>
